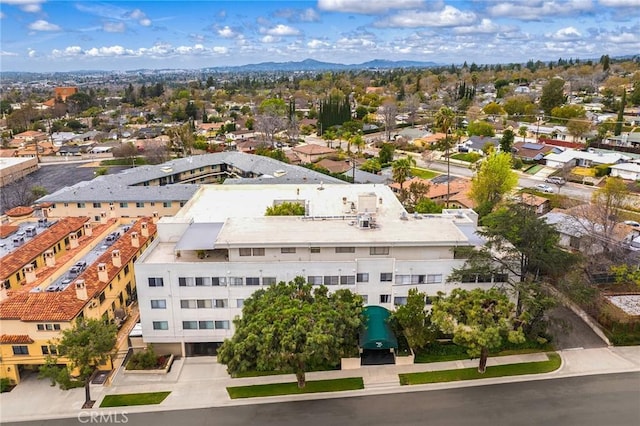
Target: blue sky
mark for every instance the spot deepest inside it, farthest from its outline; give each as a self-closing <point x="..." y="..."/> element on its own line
<point x="50" y="35"/>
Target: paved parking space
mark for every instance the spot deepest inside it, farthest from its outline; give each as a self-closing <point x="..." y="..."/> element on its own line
<point x="570" y="331"/>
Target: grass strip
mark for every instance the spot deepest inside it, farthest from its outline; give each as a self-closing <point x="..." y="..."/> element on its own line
<point x="128" y="399"/>
<point x="472" y="373"/>
<point x="423" y="173"/>
<point x="273" y="389"/>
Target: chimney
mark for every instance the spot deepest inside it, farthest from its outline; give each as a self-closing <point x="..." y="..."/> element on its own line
<point x="29" y="273"/>
<point x="73" y="240"/>
<point x="88" y="230"/>
<point x="156" y="216"/>
<point x="115" y="258"/>
<point x="81" y="290"/>
<point x="103" y="276"/>
<point x="103" y="218"/>
<point x="144" y="229"/>
<point x="135" y="240"/>
<point x="50" y="258"/>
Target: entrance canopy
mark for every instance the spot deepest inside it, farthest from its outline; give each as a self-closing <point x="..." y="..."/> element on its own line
<point x="376" y="332"/>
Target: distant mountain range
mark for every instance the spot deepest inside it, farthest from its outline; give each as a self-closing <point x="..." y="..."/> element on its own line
<point x="313" y="65"/>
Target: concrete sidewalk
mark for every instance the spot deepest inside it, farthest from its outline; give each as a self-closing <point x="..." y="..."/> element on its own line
<point x="202" y="382"/>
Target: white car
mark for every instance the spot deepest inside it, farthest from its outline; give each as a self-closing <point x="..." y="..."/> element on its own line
<point x="544" y="188"/>
<point x="632" y="223"/>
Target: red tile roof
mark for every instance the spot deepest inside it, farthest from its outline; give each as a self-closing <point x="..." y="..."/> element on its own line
<point x="312" y="149"/>
<point x="15" y="339"/>
<point x="64" y="305"/>
<point x="6" y="230"/>
<point x="40" y="243"/>
<point x="19" y="211"/>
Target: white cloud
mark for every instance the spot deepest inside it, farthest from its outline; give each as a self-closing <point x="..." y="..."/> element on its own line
<point x="620" y="3"/>
<point x="227" y="32"/>
<point x="354" y="43"/>
<point x="32" y="53"/>
<point x="534" y="11"/>
<point x="309" y="15"/>
<point x="270" y="39"/>
<point x="5" y="53"/>
<point x="145" y="22"/>
<point x="2" y="15"/>
<point x="114" y="27"/>
<point x="624" y="37"/>
<point x="449" y="16"/>
<point x="42" y="25"/>
<point x="140" y="16"/>
<point x="282" y="30"/>
<point x="563" y="34"/>
<point x="220" y="49"/>
<point x="297" y="15"/>
<point x="70" y="51"/>
<point x="484" y="27"/>
<point x="367" y="7"/>
<point x="31" y="6"/>
<point x="317" y="44"/>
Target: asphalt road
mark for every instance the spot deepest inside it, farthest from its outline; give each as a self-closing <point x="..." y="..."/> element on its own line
<point x="570" y="331"/>
<point x="610" y="400"/>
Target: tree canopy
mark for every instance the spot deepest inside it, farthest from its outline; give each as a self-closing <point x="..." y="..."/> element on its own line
<point x="415" y="321"/>
<point x="480" y="128"/>
<point x="552" y="95"/>
<point x="493" y="180"/>
<point x="293" y="327"/>
<point x="478" y="319"/>
<point x="285" y="209"/>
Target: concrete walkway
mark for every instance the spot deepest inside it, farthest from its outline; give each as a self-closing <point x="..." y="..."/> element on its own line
<point x="201" y="382"/>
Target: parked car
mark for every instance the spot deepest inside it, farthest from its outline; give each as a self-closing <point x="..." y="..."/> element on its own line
<point x="74" y="271"/>
<point x="556" y="179"/>
<point x="544" y="188"/>
<point x="632" y="223"/>
<point x="82" y="264"/>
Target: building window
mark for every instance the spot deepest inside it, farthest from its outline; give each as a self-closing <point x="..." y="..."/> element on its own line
<point x="124" y="205"/>
<point x="205" y="325"/>
<point x="126" y="269"/>
<point x="345" y="249"/>
<point x="40" y="327"/>
<point x="96" y="206"/>
<point x="239" y="303"/>
<point x="398" y="301"/>
<point x="186" y="281"/>
<point x="331" y="279"/>
<point x="139" y="205"/>
<point x="253" y="280"/>
<point x="362" y="277"/>
<point x="236" y="281"/>
<point x="434" y="278"/>
<point x="222" y="325"/>
<point x="219" y="281"/>
<point x="204" y="303"/>
<point x="288" y="250"/>
<point x="159" y="304"/>
<point x="379" y="250"/>
<point x="156" y="282"/>
<point x="245" y="252"/>
<point x="166" y="204"/>
<point x="45" y="349"/>
<point x="403" y="279"/>
<point x="20" y="350"/>
<point x="102" y="297"/>
<point x="258" y="252"/>
<point x="418" y="279"/>
<point x="314" y="249"/>
<point x="160" y="325"/>
<point x="188" y="304"/>
<point x="268" y="280"/>
<point x="501" y="278"/>
<point x="347" y="279"/>
<point x="189" y="325"/>
<point x="315" y="279"/>
<point x="386" y="276"/>
<point x="80" y="205"/>
<point x="203" y="281"/>
<point x="385" y="298"/>
<point x="221" y="303"/>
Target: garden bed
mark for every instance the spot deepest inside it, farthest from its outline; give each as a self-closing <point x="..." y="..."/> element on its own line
<point x="163" y="366"/>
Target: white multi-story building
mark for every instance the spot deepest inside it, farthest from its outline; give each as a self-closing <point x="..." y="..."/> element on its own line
<point x="220" y="247"/>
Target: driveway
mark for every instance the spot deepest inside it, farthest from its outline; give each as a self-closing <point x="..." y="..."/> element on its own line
<point x="570" y="332"/>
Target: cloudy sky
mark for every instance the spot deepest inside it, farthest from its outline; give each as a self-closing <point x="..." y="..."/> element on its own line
<point x="53" y="35"/>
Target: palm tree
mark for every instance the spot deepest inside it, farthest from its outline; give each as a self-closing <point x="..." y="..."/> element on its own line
<point x="522" y="131"/>
<point x="401" y="170"/>
<point x="443" y="121"/>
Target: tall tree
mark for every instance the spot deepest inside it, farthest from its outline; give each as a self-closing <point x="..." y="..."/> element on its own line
<point x="271" y="118"/>
<point x="401" y="170"/>
<point x="87" y="345"/>
<point x="415" y="321"/>
<point x="293" y="327"/>
<point x="506" y="142"/>
<point x="578" y="127"/>
<point x="389" y="110"/>
<point x="552" y="95"/>
<point x="493" y="180"/>
<point x="478" y="319"/>
<point x="620" y="119"/>
<point x="444" y="120"/>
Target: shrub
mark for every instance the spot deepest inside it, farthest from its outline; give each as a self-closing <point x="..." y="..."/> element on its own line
<point x="603" y="170"/>
<point x="517" y="163"/>
<point x="5" y="385"/>
<point x="144" y="360"/>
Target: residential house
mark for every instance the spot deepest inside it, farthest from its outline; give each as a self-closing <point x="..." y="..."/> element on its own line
<point x="627" y="171"/>
<point x="311" y="153"/>
<point x="477" y="144"/>
<point x="572" y="158"/>
<point x="528" y="151"/>
<point x="540" y="205"/>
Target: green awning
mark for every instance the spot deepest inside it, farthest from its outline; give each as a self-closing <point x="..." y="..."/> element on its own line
<point x="376" y="332"/>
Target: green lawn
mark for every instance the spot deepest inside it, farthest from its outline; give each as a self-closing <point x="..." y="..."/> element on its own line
<point x="335" y="385"/>
<point x="452" y="352"/>
<point x="472" y="373"/>
<point x="533" y="169"/>
<point x="423" y="173"/>
<point x="469" y="157"/>
<point x="127" y="399"/>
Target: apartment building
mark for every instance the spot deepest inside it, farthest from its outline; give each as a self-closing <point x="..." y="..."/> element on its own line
<point x="220" y="247"/>
<point x="162" y="190"/>
<point x="97" y="283"/>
